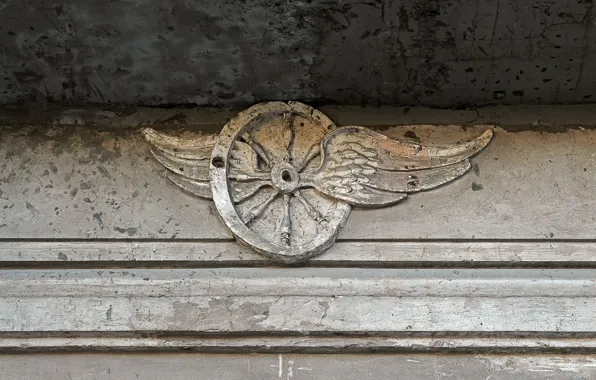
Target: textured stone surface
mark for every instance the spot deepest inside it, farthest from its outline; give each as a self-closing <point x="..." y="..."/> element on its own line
<point x="298" y="367"/>
<point x="83" y="183"/>
<point x="229" y="52"/>
<point x="97" y="252"/>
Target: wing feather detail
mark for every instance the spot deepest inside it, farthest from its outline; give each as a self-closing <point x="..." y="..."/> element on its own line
<point x="193" y="169"/>
<point x="186" y="159"/>
<point x="198" y="148"/>
<point x="243" y="158"/>
<point x="199" y="188"/>
<point x="366" y="168"/>
<point x="366" y="196"/>
<point x="419" y="180"/>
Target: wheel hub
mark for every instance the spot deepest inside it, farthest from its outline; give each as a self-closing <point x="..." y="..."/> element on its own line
<point x="285" y="177"/>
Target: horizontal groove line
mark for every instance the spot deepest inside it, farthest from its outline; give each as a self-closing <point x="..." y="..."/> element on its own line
<point x="109" y="240"/>
<point x="265" y="343"/>
<point x="165" y="334"/>
<point x="84" y="253"/>
<point x="372" y="241"/>
<point x="59" y="265"/>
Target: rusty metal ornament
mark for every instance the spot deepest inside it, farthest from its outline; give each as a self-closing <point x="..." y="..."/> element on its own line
<point x="284" y="178"/>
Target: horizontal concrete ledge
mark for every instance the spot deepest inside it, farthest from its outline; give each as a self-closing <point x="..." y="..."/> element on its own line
<point x="289" y="282"/>
<point x="298" y="310"/>
<point x="249" y="366"/>
<point x="226" y="253"/>
<point x="535" y="117"/>
<point x="297" y="314"/>
<point x="267" y="344"/>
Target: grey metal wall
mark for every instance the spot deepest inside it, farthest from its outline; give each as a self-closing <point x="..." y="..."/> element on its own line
<point x="233" y="52"/>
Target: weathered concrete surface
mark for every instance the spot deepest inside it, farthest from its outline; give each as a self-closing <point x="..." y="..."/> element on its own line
<point x="84" y="209"/>
<point x="229" y="52"/>
<point x="362" y="254"/>
<point x="297" y="367"/>
<point x="81" y="182"/>
<point x="380" y="306"/>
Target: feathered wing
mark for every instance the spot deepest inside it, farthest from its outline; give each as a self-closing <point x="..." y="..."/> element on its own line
<point x="187" y="160"/>
<point x="366" y="168"/>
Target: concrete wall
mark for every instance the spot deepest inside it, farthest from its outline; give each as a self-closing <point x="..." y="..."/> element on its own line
<point x="233" y="53"/>
<point x="296" y="367"/>
<point x="99" y="252"/>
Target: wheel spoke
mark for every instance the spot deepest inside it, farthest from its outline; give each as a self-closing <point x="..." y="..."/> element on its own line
<point x="310" y="210"/>
<point x="285" y="227"/>
<point x="263" y="154"/>
<point x="313" y="152"/>
<point x="242" y="191"/>
<point x="288" y="120"/>
<point x="244" y="176"/>
<point x="257" y="210"/>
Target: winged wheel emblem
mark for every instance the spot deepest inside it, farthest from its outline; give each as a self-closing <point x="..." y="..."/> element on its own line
<point x="284" y="178"/>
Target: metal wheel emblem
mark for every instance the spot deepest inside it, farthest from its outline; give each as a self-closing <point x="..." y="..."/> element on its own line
<point x="262" y="192"/>
<point x="284" y="178"/>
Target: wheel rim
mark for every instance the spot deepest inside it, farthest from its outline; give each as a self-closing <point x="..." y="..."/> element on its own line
<point x="255" y="173"/>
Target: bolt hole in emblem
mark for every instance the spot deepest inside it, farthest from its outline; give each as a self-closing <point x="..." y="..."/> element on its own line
<point x="284" y="178"/>
<point x="218" y="162"/>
